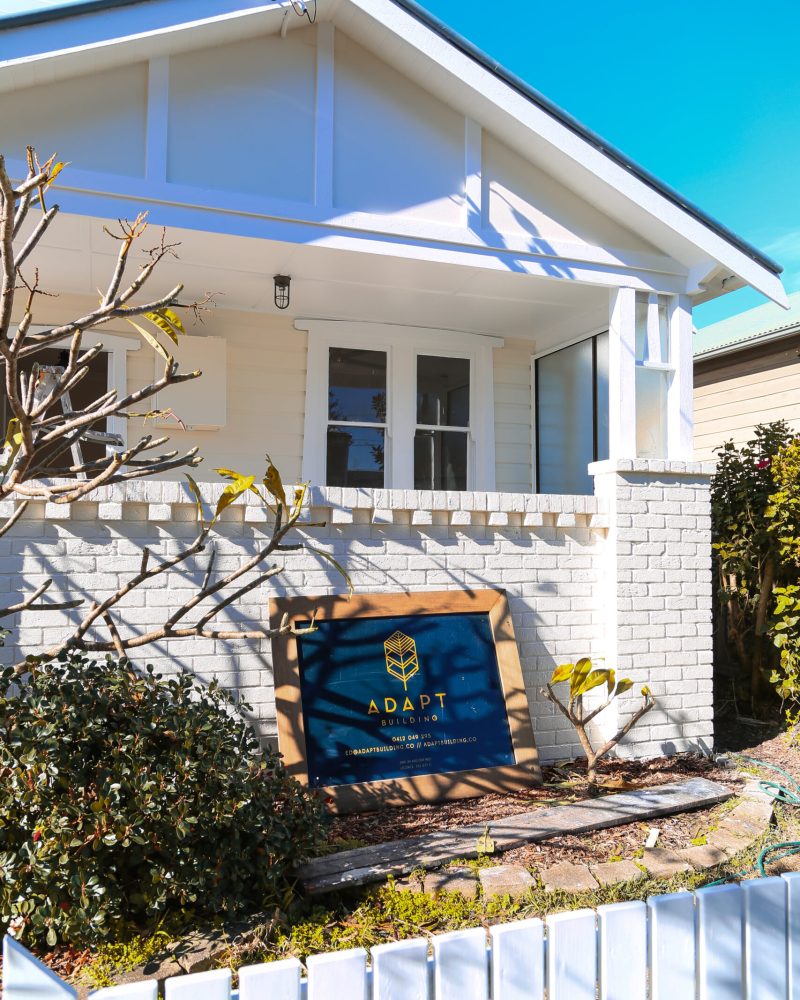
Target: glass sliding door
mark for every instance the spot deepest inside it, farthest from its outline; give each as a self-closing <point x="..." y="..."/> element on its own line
<point x="571" y="393"/>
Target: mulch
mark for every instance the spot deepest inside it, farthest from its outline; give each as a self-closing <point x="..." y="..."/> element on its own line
<point x="563" y="784"/>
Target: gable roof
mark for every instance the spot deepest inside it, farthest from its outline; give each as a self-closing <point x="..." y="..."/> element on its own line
<point x="191" y="15"/>
<point x="746" y="329"/>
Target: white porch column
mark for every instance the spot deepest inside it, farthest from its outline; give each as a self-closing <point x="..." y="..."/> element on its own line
<point x="622" y="373"/>
<point x="680" y="397"/>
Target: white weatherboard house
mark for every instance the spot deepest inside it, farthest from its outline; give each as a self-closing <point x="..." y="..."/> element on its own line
<point x="485" y="368"/>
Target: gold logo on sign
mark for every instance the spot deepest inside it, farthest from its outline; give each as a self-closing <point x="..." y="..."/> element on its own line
<point x="401" y="657"/>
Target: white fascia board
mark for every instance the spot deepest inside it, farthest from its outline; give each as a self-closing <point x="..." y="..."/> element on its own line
<point x="165" y="39"/>
<point x="500" y="101"/>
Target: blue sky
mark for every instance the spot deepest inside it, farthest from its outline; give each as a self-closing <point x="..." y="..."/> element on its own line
<point x="706" y="96"/>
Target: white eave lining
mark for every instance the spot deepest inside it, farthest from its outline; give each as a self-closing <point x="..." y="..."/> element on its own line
<point x="498" y="99"/>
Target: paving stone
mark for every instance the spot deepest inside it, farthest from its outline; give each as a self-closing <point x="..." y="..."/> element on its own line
<point x="729" y="842"/>
<point x="612" y="872"/>
<point x="462" y="880"/>
<point x="743" y="825"/>
<point x="704" y="856"/>
<point x="663" y="863"/>
<point x="755" y="810"/>
<point x="568" y="877"/>
<point x="506" y="880"/>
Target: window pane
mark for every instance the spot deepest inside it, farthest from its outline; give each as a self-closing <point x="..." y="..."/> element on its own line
<point x="355" y="457"/>
<point x="651" y="410"/>
<point x="440" y="460"/>
<point x="602" y="396"/>
<point x="565" y="420"/>
<point x="357" y="385"/>
<point x="443" y="391"/>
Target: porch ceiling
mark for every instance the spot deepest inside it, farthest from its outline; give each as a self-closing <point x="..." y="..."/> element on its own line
<point x="332" y="283"/>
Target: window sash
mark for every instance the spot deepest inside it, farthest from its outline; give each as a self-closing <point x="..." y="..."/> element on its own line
<point x="403" y="345"/>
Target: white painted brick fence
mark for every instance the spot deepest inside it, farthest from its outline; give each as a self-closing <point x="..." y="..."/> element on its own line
<point x="623" y="575"/>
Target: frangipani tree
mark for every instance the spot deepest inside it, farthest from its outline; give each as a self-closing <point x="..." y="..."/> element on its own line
<point x="583" y="677"/>
<point x="38" y="460"/>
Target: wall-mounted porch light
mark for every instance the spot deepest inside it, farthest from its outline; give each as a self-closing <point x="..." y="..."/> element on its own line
<point x="282" y="283"/>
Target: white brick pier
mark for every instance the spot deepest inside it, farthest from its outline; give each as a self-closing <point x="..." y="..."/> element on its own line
<point x="624" y="575"/>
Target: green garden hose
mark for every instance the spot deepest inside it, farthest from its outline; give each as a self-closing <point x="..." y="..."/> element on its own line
<point x="789" y="795"/>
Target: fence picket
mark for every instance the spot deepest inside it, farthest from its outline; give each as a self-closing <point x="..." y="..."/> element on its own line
<point x="147" y="989"/>
<point x="26" y="978"/>
<point x="764" y="918"/>
<point x="792" y="880"/>
<point x="719" y="942"/>
<point x="518" y="960"/>
<point x="275" y="980"/>
<point x="340" y="975"/>
<point x="460" y="969"/>
<point x="572" y="956"/>
<point x="672" y="947"/>
<point x="623" y="951"/>
<point x="400" y="971"/>
<point x="214" y="985"/>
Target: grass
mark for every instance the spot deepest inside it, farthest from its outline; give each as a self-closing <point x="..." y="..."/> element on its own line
<point x="365" y="918"/>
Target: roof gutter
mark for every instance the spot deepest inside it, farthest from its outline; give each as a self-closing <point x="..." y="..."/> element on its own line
<point x="511" y="79"/>
<point x="743" y="345"/>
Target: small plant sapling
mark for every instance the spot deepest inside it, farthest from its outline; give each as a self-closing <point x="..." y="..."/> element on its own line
<point x="583" y="677"/>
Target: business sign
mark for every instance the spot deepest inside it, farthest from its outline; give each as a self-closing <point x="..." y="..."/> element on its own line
<point x="396" y="698"/>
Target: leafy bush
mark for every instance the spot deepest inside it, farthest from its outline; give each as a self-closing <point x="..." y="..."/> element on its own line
<point x="749" y="557"/>
<point x="128" y="798"/>
<point x="783" y="515"/>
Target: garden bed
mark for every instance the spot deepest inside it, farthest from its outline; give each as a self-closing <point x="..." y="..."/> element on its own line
<point x="563" y="784"/>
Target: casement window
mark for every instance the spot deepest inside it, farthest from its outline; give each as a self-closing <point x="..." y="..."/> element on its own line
<point x="570" y="415"/>
<point x="398" y="407"/>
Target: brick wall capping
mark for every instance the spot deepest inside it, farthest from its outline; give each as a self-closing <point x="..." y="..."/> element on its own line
<point x="345" y="506"/>
<point x="652" y="467"/>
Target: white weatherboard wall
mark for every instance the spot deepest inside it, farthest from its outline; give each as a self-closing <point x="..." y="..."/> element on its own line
<point x="566" y="563"/>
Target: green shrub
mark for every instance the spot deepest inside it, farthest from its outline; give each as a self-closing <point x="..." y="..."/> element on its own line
<point x="783" y="517"/>
<point x="128" y="798"/>
<point x="749" y="560"/>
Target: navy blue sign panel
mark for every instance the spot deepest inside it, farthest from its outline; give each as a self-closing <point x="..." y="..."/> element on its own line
<point x="396" y="697"/>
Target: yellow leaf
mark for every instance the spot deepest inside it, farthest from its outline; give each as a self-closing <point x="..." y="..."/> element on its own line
<point x="612" y="677"/>
<point x="12" y="444"/>
<point x="164" y="325"/>
<point x="624" y="685"/>
<point x="329" y="558"/>
<point x="272" y="481"/>
<point x="55" y="172"/>
<point x="173" y="318"/>
<point x="593" y="680"/>
<point x="579" y="674"/>
<point x="157" y="346"/>
<point x="197" y="494"/>
<point x="562" y="673"/>
<point x="646" y="692"/>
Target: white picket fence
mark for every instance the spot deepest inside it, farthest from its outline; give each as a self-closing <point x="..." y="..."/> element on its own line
<point x="720" y="943"/>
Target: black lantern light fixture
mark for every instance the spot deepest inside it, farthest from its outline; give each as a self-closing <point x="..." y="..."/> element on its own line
<point x="282" y="283"/>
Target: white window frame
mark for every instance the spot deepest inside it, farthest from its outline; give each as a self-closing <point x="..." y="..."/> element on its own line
<point x="116" y="346"/>
<point x="402" y="344"/>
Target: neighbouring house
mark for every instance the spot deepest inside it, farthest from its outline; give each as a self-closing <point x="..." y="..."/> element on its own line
<point x="485" y="366"/>
<point x="746" y="372"/>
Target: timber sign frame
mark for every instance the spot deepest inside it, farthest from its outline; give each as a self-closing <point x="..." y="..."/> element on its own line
<point x="400" y="698"/>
